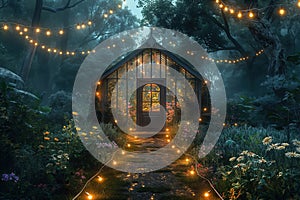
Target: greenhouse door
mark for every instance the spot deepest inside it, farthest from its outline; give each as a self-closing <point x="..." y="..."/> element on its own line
<point x="150" y="95"/>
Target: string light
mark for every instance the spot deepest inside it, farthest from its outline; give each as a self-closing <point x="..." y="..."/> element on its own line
<point x="206" y="194"/>
<point x="48" y="33"/>
<point x="281" y="11"/>
<point x="100" y="179"/>
<point x="192" y="172"/>
<point x="89" y="196"/>
<point x="82" y="25"/>
<point x="249" y="12"/>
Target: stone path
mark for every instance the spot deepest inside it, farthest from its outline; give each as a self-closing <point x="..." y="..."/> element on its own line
<point x="172" y="182"/>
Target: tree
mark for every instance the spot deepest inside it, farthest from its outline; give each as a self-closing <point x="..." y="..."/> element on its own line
<point x="214" y="28"/>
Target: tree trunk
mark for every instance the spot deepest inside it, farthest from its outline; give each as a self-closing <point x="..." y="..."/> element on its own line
<point x="25" y="69"/>
<point x="262" y="33"/>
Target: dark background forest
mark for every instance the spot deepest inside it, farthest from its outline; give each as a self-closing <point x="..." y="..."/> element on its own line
<point x="36" y="126"/>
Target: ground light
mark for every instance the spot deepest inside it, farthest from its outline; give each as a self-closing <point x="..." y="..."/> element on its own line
<point x="89" y="196"/>
<point x="206" y="194"/>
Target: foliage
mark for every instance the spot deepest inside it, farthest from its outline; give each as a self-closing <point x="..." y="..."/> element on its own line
<point x="37" y="163"/>
<point x="252" y="176"/>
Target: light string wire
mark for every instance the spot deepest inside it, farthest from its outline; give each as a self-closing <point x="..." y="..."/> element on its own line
<point x="251" y="11"/>
<point x="93" y="177"/>
<point x="198" y="174"/>
<point x="49" y="49"/>
<point x="78" y="26"/>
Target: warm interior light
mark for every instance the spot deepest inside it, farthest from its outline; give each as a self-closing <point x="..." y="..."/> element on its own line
<point x="298" y="4"/>
<point x="192" y="172"/>
<point x="231" y="11"/>
<point x="18" y="28"/>
<point x="25" y="29"/>
<point x="61" y="32"/>
<point x="5" y="27"/>
<point x="37" y="30"/>
<point x="128" y="145"/>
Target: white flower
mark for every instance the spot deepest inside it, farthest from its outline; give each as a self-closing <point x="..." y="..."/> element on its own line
<point x="232" y="159"/>
<point x="296" y="142"/>
<point x="239" y="159"/>
<point x="292" y="155"/>
<point x="285" y="144"/>
<point x="280" y="147"/>
<point x="267" y="140"/>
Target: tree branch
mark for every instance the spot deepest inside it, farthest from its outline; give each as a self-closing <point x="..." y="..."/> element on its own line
<point x="226" y="29"/>
<point x="3" y="4"/>
<point x="222" y="49"/>
<point x="68" y="5"/>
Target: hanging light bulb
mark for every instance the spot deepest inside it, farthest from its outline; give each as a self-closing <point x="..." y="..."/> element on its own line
<point x="5" y="27"/>
<point x="226" y="9"/>
<point x="78" y="27"/>
<point x="231" y="11"/>
<point x="25" y="29"/>
<point x="61" y="32"/>
<point x="90" y="23"/>
<point x="48" y="33"/>
<point x="111" y="12"/>
<point x="83" y="26"/>
<point x="105" y="15"/>
<point x="37" y="30"/>
<point x="251" y="14"/>
<point x="281" y="11"/>
<point x="18" y="28"/>
<point x="239" y="15"/>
